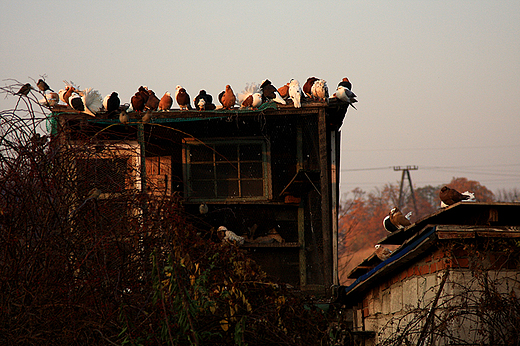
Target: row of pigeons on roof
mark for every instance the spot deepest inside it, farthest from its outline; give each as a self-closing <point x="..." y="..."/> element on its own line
<point x="90" y="101"/>
<point x="395" y="220"/>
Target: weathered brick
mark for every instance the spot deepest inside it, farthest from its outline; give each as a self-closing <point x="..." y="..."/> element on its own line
<point x="428" y="258"/>
<point x="425" y="269"/>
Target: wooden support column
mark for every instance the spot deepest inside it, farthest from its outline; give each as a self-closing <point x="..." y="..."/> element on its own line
<point x="324" y="151"/>
<point x="301" y="213"/>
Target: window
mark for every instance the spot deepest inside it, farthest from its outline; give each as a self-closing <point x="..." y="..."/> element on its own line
<point x="224" y="169"/>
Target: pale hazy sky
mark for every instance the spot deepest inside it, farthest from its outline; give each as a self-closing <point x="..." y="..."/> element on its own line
<point x="438" y="82"/>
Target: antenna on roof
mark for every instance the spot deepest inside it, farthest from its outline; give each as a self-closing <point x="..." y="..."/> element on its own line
<point x="406" y="170"/>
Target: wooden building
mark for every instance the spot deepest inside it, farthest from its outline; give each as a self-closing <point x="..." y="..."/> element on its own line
<point x="266" y="170"/>
<point x="454" y="279"/>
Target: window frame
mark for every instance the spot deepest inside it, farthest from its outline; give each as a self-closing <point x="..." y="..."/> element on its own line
<point x="212" y="142"/>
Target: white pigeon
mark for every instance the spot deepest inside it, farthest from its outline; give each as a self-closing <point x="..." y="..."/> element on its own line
<point x="295" y="93"/>
<point x="89" y="102"/>
<point x="250" y="89"/>
<point x="346" y="95"/>
<point x="320" y="90"/>
<point x="231" y="237"/>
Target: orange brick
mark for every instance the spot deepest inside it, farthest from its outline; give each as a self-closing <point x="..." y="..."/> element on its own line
<point x="365" y="312"/>
<point x="404" y="275"/>
<point x="425" y="269"/>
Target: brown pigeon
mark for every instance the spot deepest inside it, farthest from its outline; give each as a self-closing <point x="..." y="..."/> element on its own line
<point x="138" y="102"/>
<point x="398" y="219"/>
<point x="24" y="90"/>
<point x="227" y="98"/>
<point x="166" y="102"/>
<point x="284" y="91"/>
<point x="450" y="196"/>
<point x="153" y="101"/>
<point x="43" y="86"/>
<point x="308" y="86"/>
<point x="183" y="99"/>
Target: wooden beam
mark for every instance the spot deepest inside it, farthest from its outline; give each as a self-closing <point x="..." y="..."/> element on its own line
<point x="324" y="150"/>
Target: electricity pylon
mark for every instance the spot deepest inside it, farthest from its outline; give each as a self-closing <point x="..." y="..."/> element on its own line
<point x="406" y="170"/>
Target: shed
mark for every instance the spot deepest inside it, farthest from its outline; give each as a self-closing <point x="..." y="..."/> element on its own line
<point x="258" y="171"/>
<point x="449" y="281"/>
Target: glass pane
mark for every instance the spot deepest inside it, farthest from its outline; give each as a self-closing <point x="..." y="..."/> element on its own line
<point x="226" y="171"/>
<point x="200" y="153"/>
<point x="227" y="189"/>
<point x="202" y="189"/>
<point x="202" y="171"/>
<point x="251" y="170"/>
<point x="251" y="152"/>
<point x="252" y="188"/>
<point x="226" y="152"/>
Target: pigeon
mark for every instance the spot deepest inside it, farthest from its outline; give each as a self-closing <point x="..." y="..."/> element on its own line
<point x="89" y="102"/>
<point x="112" y="102"/>
<point x="203" y="208"/>
<point x="320" y="90"/>
<point x="138" y="101"/>
<point x="66" y="94"/>
<point x="308" y="86"/>
<point x="230" y="236"/>
<point x="183" y="99"/>
<point x="147" y="117"/>
<point x="388" y="225"/>
<point x="204" y="101"/>
<point x="227" y="98"/>
<point x="24" y="90"/>
<point x="398" y="219"/>
<point x="253" y="101"/>
<point x="43" y="86"/>
<point x="270" y="93"/>
<point x="124" y="118"/>
<point x="382" y="252"/>
<point x="153" y="101"/>
<point x="51" y="99"/>
<point x="284" y="91"/>
<point x="451" y="196"/>
<point x="345" y="83"/>
<point x="166" y="102"/>
<point x="295" y="93"/>
<point x="345" y="95"/>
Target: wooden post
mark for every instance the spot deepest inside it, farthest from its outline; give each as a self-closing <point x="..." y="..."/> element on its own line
<point x="324" y="150"/>
<point x="301" y="213"/>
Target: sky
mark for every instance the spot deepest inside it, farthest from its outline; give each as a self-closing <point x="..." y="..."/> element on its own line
<point x="438" y="82"/>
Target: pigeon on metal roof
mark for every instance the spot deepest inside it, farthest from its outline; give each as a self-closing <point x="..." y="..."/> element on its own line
<point x="382" y="252"/>
<point x="139" y="99"/>
<point x="398" y="219"/>
<point x="269" y="92"/>
<point x="388" y="225"/>
<point x="203" y="101"/>
<point x="43" y="86"/>
<point x="284" y="91"/>
<point x="295" y="93"/>
<point x="450" y="196"/>
<point x="345" y="83"/>
<point x="203" y="208"/>
<point x="89" y="102"/>
<point x="183" y="99"/>
<point x="253" y="101"/>
<point x="166" y="102"/>
<point x="112" y="102"/>
<point x="227" y="98"/>
<point x="320" y="90"/>
<point x="24" y="90"/>
<point x="346" y="95"/>
<point x="308" y="86"/>
<point x="153" y="101"/>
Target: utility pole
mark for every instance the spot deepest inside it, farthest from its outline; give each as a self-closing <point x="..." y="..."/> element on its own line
<point x="406" y="170"/>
